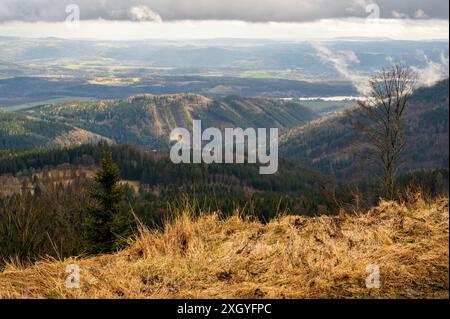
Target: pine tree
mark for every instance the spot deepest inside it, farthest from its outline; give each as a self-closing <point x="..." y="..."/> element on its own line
<point x="104" y="224"/>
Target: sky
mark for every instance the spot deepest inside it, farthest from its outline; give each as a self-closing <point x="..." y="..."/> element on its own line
<point x="202" y="19"/>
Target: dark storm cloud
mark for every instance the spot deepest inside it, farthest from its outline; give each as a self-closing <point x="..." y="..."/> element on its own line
<point x="246" y="10"/>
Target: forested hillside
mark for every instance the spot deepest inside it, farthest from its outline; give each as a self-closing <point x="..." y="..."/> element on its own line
<point x="147" y="120"/>
<point x="19" y="131"/>
<point x="333" y="145"/>
<point x="222" y="185"/>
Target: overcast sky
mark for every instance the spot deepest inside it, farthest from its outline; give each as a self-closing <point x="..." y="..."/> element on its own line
<point x="296" y="19"/>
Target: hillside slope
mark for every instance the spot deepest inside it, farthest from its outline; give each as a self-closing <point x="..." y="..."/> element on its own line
<point x="332" y="141"/>
<point x="222" y="186"/>
<point x="18" y="131"/>
<point x="293" y="257"/>
<point x="147" y="120"/>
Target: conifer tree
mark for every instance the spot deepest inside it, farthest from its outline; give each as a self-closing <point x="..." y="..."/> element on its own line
<point x="103" y="225"/>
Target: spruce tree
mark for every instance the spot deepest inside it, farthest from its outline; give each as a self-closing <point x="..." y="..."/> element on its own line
<point x="103" y="218"/>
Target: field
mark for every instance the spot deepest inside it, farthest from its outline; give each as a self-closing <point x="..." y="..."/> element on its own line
<point x="322" y="106"/>
<point x="291" y="257"/>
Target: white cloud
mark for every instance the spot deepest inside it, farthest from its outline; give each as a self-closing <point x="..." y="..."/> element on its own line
<point x="244" y="10"/>
<point x="318" y="30"/>
<point x="433" y="71"/>
<point x="399" y="15"/>
<point x="341" y="61"/>
<point x="420" y="14"/>
<point x="144" y="13"/>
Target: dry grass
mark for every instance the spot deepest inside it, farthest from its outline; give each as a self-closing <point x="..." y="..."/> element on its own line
<point x="293" y="257"/>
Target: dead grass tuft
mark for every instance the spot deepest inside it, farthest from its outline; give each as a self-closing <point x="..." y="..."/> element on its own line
<point x="292" y="257"/>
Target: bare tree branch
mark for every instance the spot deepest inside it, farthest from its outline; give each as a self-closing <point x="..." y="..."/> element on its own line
<point x="380" y="119"/>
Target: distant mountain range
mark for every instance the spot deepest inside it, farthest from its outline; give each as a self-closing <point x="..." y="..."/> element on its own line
<point x="36" y="70"/>
<point x="303" y="60"/>
<point x="26" y="90"/>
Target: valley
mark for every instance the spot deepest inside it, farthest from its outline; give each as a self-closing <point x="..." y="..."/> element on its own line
<point x="317" y="133"/>
<point x="87" y="169"/>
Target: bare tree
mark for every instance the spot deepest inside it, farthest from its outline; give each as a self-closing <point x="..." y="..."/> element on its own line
<point x="381" y="118"/>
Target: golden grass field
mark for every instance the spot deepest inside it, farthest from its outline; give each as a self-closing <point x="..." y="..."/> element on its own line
<point x="292" y="257"/>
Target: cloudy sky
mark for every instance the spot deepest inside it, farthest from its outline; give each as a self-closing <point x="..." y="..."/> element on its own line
<point x="281" y="19"/>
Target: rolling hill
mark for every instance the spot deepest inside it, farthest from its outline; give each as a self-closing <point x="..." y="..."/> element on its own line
<point x="19" y="131"/>
<point x="147" y="120"/>
<point x="333" y="146"/>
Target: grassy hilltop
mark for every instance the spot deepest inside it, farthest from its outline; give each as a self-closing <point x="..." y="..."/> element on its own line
<point x="290" y="257"/>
